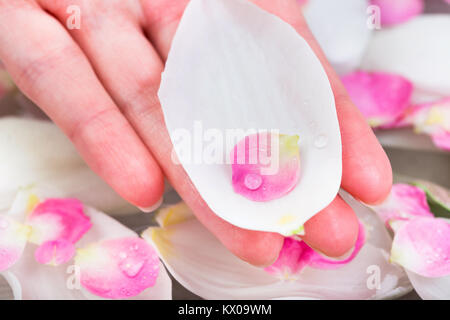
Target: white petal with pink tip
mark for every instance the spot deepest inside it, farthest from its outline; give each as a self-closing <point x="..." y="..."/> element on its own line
<point x="234" y="67"/>
<point x="32" y="280"/>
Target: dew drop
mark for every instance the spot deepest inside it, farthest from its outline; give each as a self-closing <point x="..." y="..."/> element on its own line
<point x="252" y="181"/>
<point x="321" y="141"/>
<point x="131" y="267"/>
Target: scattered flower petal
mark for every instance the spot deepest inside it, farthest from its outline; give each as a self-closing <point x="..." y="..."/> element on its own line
<point x="430" y="288"/>
<point x="55" y="252"/>
<point x="58" y="219"/>
<point x="404" y="203"/>
<point x="204" y="266"/>
<point x="381" y="97"/>
<point x="36" y="152"/>
<point x="31" y="280"/>
<point x="432" y="119"/>
<point x="118" y="268"/>
<point x="249" y="178"/>
<point x="398" y="11"/>
<point x="13" y="238"/>
<point x="422" y="245"/>
<point x="296" y="255"/>
<point x="417" y="50"/>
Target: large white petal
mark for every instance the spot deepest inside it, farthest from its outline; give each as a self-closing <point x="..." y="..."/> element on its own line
<point x="418" y="50"/>
<point x="36" y="152"/>
<point x="341" y="29"/>
<point x="235" y="66"/>
<point x="430" y="288"/>
<point x="201" y="263"/>
<point x="38" y="281"/>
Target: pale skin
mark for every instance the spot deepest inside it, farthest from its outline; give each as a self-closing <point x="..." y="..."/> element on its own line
<point x="99" y="85"/>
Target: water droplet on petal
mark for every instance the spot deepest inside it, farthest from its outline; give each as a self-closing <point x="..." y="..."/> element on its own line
<point x="131" y="267"/>
<point x="253" y="181"/>
<point x="321" y="141"/>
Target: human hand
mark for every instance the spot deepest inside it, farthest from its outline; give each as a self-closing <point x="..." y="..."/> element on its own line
<point x="99" y="85"/>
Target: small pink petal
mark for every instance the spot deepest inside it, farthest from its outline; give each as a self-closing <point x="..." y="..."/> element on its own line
<point x="404" y="202"/>
<point x="55" y="252"/>
<point x="296" y="255"/>
<point x="432" y="119"/>
<point x="58" y="219"/>
<point x="118" y="268"/>
<point x="291" y="259"/>
<point x="398" y="11"/>
<point x="442" y="140"/>
<point x="381" y="97"/>
<point x="422" y="245"/>
<point x="260" y="173"/>
<point x="13" y="238"/>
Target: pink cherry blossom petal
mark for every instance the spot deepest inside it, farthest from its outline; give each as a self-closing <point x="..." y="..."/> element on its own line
<point x="13" y="238"/>
<point x="260" y="173"/>
<point x="118" y="268"/>
<point x="404" y="202"/>
<point x="296" y="255"/>
<point x="398" y="11"/>
<point x="58" y="219"/>
<point x="422" y="245"/>
<point x="55" y="252"/>
<point x="381" y="97"/>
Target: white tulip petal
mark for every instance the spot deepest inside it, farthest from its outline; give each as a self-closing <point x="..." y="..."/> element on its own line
<point x="38" y="281"/>
<point x="235" y="66"/>
<point x="430" y="288"/>
<point x="36" y="152"/>
<point x="204" y="266"/>
<point x="341" y="28"/>
<point x="417" y="50"/>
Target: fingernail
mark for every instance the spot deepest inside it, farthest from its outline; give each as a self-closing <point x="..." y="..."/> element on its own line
<point x="153" y="207"/>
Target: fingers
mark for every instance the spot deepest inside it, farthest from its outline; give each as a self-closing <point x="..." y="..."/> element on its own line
<point x="332" y="230"/>
<point x="51" y="69"/>
<point x="130" y="69"/>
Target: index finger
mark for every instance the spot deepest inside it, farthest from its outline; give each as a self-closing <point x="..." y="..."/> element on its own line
<point x="51" y="69"/>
